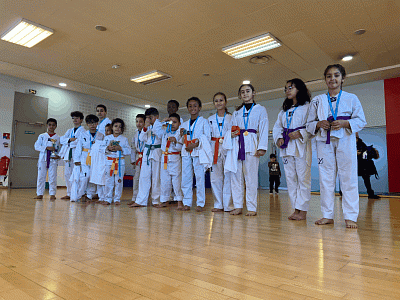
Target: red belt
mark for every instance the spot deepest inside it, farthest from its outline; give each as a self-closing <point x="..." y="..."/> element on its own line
<point x="140" y="159"/>
<point x="166" y="153"/>
<point x="186" y="142"/>
<point x="216" y="147"/>
<point x="114" y="165"/>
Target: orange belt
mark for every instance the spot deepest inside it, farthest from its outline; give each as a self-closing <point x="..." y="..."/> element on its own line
<point x="166" y="153"/>
<point x="114" y="165"/>
<point x="186" y="142"/>
<point x="140" y="159"/>
<point x="216" y="147"/>
<point x="88" y="157"/>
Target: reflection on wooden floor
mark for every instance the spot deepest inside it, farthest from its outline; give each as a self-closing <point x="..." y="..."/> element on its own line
<point x="59" y="250"/>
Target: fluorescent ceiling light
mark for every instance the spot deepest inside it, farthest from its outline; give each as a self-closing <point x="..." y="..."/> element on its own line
<point x="26" y="33"/>
<point x="150" y="77"/>
<point x="252" y="46"/>
<point x="246" y="82"/>
<point x="62" y="84"/>
<point x="147" y="106"/>
<point x="347" y="58"/>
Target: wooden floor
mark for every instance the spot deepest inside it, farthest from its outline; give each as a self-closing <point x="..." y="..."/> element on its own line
<point x="63" y="250"/>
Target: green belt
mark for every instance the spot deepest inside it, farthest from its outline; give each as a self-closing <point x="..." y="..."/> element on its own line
<point x="149" y="148"/>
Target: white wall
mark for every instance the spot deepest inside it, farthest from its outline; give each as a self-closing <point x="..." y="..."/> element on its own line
<point x="61" y="103"/>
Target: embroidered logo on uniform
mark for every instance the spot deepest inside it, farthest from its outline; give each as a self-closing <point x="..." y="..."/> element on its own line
<point x="285" y="161"/>
<point x="320" y="161"/>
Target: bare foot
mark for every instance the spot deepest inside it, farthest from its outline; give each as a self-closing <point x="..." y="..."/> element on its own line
<point x="251" y="214"/>
<point x="351" y="224"/>
<point x="40" y="197"/>
<point x="217" y="210"/>
<point x="65" y="197"/>
<point x="293" y="215"/>
<point x="130" y="202"/>
<point x="106" y="203"/>
<point x="180" y="205"/>
<point x="137" y="205"/>
<point x="199" y="208"/>
<point x="160" y="205"/>
<point x="52" y="197"/>
<point x="324" y="221"/>
<point x="117" y="203"/>
<point x="302" y="215"/>
<point x="236" y="211"/>
<point x="185" y="208"/>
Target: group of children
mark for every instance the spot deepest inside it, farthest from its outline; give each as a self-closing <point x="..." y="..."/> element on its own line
<point x="167" y="154"/>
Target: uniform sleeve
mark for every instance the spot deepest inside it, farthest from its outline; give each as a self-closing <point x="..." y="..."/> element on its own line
<point x="304" y="133"/>
<point x="126" y="148"/>
<point x="77" y="136"/>
<point x="357" y="121"/>
<point x="144" y="135"/>
<point x="312" y="118"/>
<point x="133" y="150"/>
<point x="207" y="130"/>
<point x="158" y="129"/>
<point x="263" y="130"/>
<point x="78" y="151"/>
<point x="277" y="131"/>
<point x="64" y="139"/>
<point x="40" y="144"/>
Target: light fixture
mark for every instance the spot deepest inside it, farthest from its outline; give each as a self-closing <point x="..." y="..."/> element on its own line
<point x="246" y="82"/>
<point x="252" y="46"/>
<point x="359" y="31"/>
<point x="347" y="58"/>
<point x="116" y="66"/>
<point x="26" y="33"/>
<point x="62" y="84"/>
<point x="147" y="106"/>
<point x="150" y="77"/>
<point x="100" y="28"/>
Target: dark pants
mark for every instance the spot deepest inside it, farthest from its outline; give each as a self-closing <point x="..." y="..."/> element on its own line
<point x="367" y="183"/>
<point x="274" y="179"/>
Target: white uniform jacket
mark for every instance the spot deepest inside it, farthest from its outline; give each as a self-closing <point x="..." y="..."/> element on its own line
<point x="43" y="141"/>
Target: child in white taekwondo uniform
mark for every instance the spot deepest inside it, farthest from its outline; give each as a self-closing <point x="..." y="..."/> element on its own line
<point x="137" y="155"/>
<point x="220" y="123"/>
<point x="82" y="157"/>
<point x="247" y="141"/>
<point x="334" y="118"/>
<point x="117" y="148"/>
<point x="69" y="142"/>
<point x="171" y="162"/>
<point x="149" y="179"/>
<point x="101" y="112"/>
<point x="291" y="136"/>
<point x="196" y="155"/>
<point x="47" y="144"/>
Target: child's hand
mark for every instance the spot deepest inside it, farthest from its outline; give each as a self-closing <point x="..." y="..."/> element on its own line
<point x="336" y="125"/>
<point x="324" y="125"/>
<point x="182" y="131"/>
<point x="133" y="163"/>
<point x="77" y="163"/>
<point x="191" y="146"/>
<point x="51" y="148"/>
<point x="295" y="135"/>
<point x="235" y="133"/>
<point x="111" y="148"/>
<point x="72" y="139"/>
<point x="172" y="139"/>
<point x="147" y="122"/>
<point x="280" y="142"/>
<point x="260" y="153"/>
<point x="118" y="148"/>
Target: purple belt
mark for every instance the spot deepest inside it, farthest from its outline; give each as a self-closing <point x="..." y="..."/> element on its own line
<point x="48" y="158"/>
<point x="242" y="151"/>
<point x="331" y="119"/>
<point x="286" y="137"/>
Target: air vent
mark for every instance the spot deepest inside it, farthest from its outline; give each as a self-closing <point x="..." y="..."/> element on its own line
<point x="260" y="59"/>
<point x="150" y="77"/>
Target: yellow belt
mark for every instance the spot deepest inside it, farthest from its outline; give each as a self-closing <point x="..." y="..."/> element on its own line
<point x="88" y="157"/>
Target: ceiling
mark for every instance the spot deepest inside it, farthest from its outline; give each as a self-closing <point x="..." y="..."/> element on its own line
<point x="184" y="38"/>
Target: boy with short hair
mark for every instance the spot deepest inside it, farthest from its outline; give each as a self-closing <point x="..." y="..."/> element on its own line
<point x="101" y="112"/>
<point x="150" y="173"/>
<point x="137" y="155"/>
<point x="82" y="157"/>
<point x="47" y="144"/>
<point x="69" y="142"/>
<point x="171" y="162"/>
<point x="274" y="174"/>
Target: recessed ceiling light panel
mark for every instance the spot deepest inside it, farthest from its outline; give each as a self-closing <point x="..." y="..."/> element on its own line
<point x="26" y="33"/>
<point x="147" y="106"/>
<point x="347" y="58"/>
<point x="62" y="84"/>
<point x="150" y="77"/>
<point x="246" y="82"/>
<point x="252" y="46"/>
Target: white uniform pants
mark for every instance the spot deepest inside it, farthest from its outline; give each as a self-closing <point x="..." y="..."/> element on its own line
<point x="247" y="171"/>
<point x="41" y="179"/>
<point x="136" y="182"/>
<point x="171" y="177"/>
<point x="298" y="179"/>
<point x="114" y="181"/>
<point x="84" y="185"/>
<point x="74" y="180"/>
<point x="221" y="185"/>
<point x="340" y="156"/>
<point x="69" y="167"/>
<point x="192" y="164"/>
<point x="149" y="180"/>
<point x="101" y="192"/>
